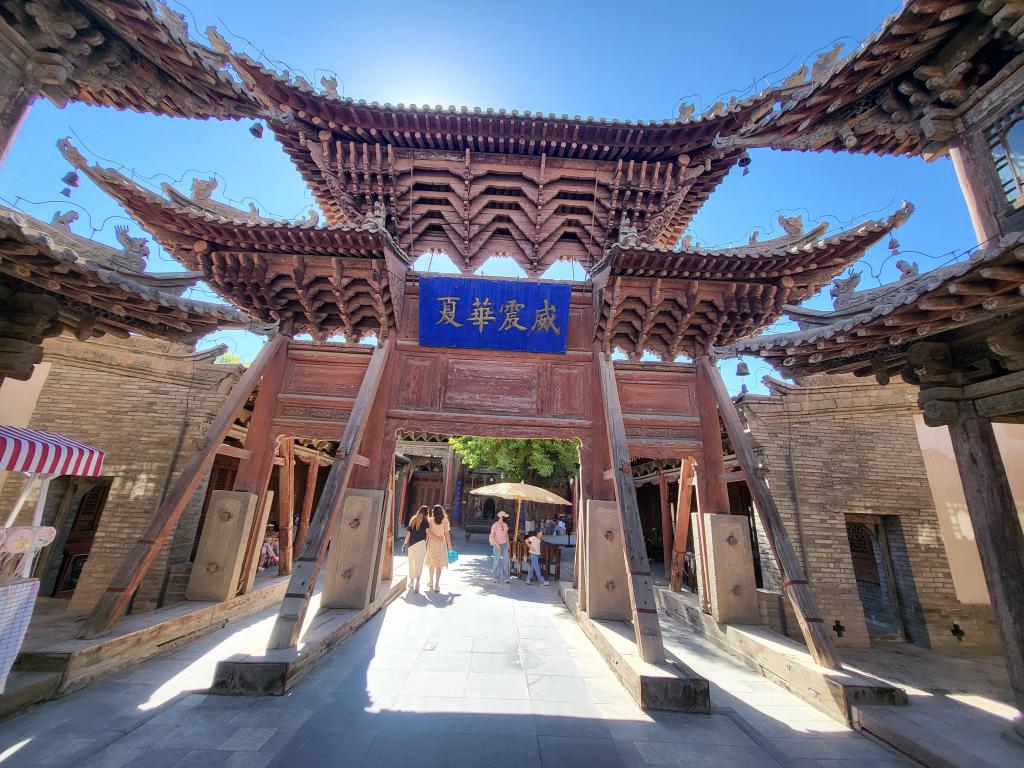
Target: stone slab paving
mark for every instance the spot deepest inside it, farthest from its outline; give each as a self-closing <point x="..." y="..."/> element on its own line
<point x="482" y="674"/>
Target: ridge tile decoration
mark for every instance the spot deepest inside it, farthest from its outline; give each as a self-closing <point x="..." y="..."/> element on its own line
<point x="518" y="315"/>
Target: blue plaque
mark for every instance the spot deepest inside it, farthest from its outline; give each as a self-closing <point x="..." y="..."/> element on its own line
<point x="515" y="315"/>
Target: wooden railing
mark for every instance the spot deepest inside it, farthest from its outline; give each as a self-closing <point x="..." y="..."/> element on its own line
<point x="550" y="559"/>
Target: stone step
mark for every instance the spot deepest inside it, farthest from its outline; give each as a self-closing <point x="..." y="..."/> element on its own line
<point x="24" y="689"/>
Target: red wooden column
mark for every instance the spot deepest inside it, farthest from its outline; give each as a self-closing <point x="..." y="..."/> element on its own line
<point x="286" y="506"/>
<point x="682" y="525"/>
<point x="712" y="492"/>
<point x="666" y="522"/>
<point x="113" y="603"/>
<point x="309" y="491"/>
<point x="254" y="472"/>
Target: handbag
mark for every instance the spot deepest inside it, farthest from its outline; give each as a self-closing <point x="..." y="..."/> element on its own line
<point x="452" y="556"/>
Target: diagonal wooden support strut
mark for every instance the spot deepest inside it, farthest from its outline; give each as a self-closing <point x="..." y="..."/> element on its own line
<point x="113" y="603"/>
<point x="288" y="626"/>
<point x="816" y="635"/>
<point x="641" y="589"/>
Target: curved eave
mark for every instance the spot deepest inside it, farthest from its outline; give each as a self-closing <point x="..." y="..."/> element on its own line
<point x="945" y="298"/>
<point x="116" y="299"/>
<point x="439" y="129"/>
<point x="920" y="33"/>
<point x="808" y="264"/>
<point x="182" y="229"/>
<point x="154" y="67"/>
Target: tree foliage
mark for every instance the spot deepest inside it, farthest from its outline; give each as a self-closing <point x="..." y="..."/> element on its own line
<point x="519" y="460"/>
<point x="230" y="358"/>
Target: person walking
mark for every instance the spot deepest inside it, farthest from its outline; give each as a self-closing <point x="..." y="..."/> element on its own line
<point x="499" y="546"/>
<point x="416" y="545"/>
<point x="438" y="543"/>
<point x="533" y="544"/>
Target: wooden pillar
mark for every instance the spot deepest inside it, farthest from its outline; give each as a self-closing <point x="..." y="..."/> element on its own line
<point x="452" y="465"/>
<point x="254" y="472"/>
<point x="666" y="522"/>
<point x="403" y="493"/>
<point x="978" y="183"/>
<point x="288" y="626"/>
<point x="712" y="491"/>
<point x="113" y="603"/>
<point x="998" y="534"/>
<point x="682" y="525"/>
<point x="16" y="95"/>
<point x="309" y="491"/>
<point x="816" y="634"/>
<point x="641" y="589"/>
<point x="286" y="505"/>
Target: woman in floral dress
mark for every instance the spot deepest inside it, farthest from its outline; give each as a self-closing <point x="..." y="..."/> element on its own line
<point x="438" y="543"/>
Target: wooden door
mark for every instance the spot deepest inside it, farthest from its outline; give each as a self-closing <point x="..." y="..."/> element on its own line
<point x="80" y="538"/>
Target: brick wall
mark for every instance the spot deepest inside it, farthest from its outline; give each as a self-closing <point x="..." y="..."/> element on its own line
<point x="146" y="404"/>
<point x="837" y="446"/>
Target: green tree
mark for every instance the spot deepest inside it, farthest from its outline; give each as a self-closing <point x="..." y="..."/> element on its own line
<point x="230" y="358"/>
<point x="519" y="460"/>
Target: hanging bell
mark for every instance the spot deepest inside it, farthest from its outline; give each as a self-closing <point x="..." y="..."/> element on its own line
<point x="256" y="129"/>
<point x="743" y="389"/>
<point x="894" y="244"/>
<point x="66" y="192"/>
<point x="71" y="178"/>
<point x="742" y="369"/>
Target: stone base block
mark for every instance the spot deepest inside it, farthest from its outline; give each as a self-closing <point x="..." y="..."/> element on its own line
<point x="276" y="671"/>
<point x="732" y="590"/>
<point x="672" y="686"/>
<point x="783" y="661"/>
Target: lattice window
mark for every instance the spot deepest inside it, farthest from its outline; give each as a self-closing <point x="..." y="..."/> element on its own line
<point x="1006" y="142"/>
<point x="862" y="550"/>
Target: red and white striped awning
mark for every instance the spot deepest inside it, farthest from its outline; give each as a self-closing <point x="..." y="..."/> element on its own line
<point x="46" y="453"/>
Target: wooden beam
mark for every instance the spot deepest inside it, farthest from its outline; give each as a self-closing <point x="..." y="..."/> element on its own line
<point x="238" y="453"/>
<point x="816" y="634"/>
<point x="666" y="522"/>
<point x="641" y="590"/>
<point x="312" y="470"/>
<point x="360" y="460"/>
<point x="682" y="525"/>
<point x="998" y="534"/>
<point x="286" y="506"/>
<point x="114" y="601"/>
<point x="288" y="626"/>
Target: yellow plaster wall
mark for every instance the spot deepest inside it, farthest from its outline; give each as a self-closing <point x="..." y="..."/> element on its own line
<point x="954" y="522"/>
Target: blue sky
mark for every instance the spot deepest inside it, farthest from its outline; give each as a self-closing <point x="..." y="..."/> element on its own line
<point x="603" y="59"/>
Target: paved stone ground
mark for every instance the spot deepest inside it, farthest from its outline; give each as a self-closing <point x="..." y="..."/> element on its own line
<point x="482" y="674"/>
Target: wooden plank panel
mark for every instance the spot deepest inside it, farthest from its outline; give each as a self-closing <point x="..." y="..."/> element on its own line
<point x="418" y="382"/>
<point x="489" y="387"/>
<point x="567" y="391"/>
